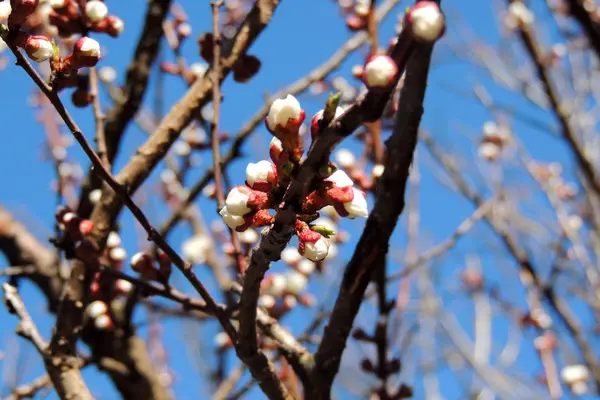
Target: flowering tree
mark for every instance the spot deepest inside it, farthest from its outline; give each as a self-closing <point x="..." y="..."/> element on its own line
<point x="281" y="233"/>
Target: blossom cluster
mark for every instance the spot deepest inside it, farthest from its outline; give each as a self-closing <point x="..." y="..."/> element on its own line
<point x="247" y="206"/>
<point x="32" y="25"/>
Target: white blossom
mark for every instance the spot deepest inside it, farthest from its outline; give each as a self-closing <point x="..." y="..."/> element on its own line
<point x="196" y="248"/>
<point x="380" y="71"/>
<point x="96" y="10"/>
<point x="259" y="172"/>
<point x="427" y="23"/>
<point x="283" y="110"/>
<point x="114" y="240"/>
<point x="96" y="308"/>
<point x="94" y="196"/>
<point x="576" y="376"/>
<point x="488" y="151"/>
<point x="198" y="69"/>
<point x="377" y="170"/>
<point x="87" y="47"/>
<point x="295" y="282"/>
<point x="277" y="285"/>
<point x="39" y="48"/>
<point x="266" y="301"/>
<point x="290" y="255"/>
<point x="103" y="322"/>
<point x="345" y="158"/>
<point x="306" y="267"/>
<point x="249" y="236"/>
<point x="118" y="254"/>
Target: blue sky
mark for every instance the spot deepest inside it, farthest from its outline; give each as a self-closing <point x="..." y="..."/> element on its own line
<point x="302" y="35"/>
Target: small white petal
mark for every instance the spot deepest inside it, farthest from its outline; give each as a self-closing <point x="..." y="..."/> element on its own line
<point x="258" y="172"/>
<point x="249" y="236"/>
<point x="341" y="179"/>
<point x="232" y="221"/>
<point x="358" y="206"/>
<point x="290" y="255"/>
<point x="237" y="202"/>
<point x="316" y="251"/>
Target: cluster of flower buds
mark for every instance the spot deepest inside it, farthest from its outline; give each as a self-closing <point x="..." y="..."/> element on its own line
<point x="247" y="206"/>
<point x="145" y="265"/>
<point x="73" y="227"/>
<point x="69" y="19"/>
<point x="282" y="292"/>
<point x="494" y="139"/>
<point x="552" y="175"/>
<point x="576" y="378"/>
<point x="97" y="312"/>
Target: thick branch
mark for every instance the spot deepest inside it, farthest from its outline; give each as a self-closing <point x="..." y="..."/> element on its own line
<point x="373" y="244"/>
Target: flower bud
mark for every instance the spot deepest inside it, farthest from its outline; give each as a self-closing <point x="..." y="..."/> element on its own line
<point x="249" y="236"/>
<point x="275" y="149"/>
<point x="306" y="267"/>
<point x="86" y="52"/>
<point x="195" y="249"/>
<point x="96" y="309"/>
<point x="123" y="287"/>
<point x="142" y="262"/>
<point x="284" y="112"/>
<point x="38" y="48"/>
<point x="316" y="120"/>
<point x="377" y="170"/>
<point x="96" y="10"/>
<point x="58" y="4"/>
<point x="380" y="72"/>
<point x="85" y="227"/>
<point x="103" y="322"/>
<point x="358" y="206"/>
<point x="576" y="376"/>
<point x="114" y="26"/>
<point x="345" y="158"/>
<point x="113" y="240"/>
<point x="261" y="175"/>
<point x="314" y="250"/>
<point x="118" y="254"/>
<point x="426" y="22"/>
<point x="267" y="301"/>
<point x="276" y="284"/>
<point x="291" y="256"/>
<point x="94" y="196"/>
<point x="5" y="10"/>
<point x="295" y="282"/>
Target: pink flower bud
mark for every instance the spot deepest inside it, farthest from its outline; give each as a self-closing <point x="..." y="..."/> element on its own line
<point x="87" y="52"/>
<point x="115" y="26"/>
<point x="142" y="262"/>
<point x="237" y="201"/>
<point x="275" y="149"/>
<point x="314" y="250"/>
<point x="86" y="227"/>
<point x="316" y="120"/>
<point x="38" y="48"/>
<point x="380" y="72"/>
<point x="426" y="22"/>
<point x="96" y="10"/>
